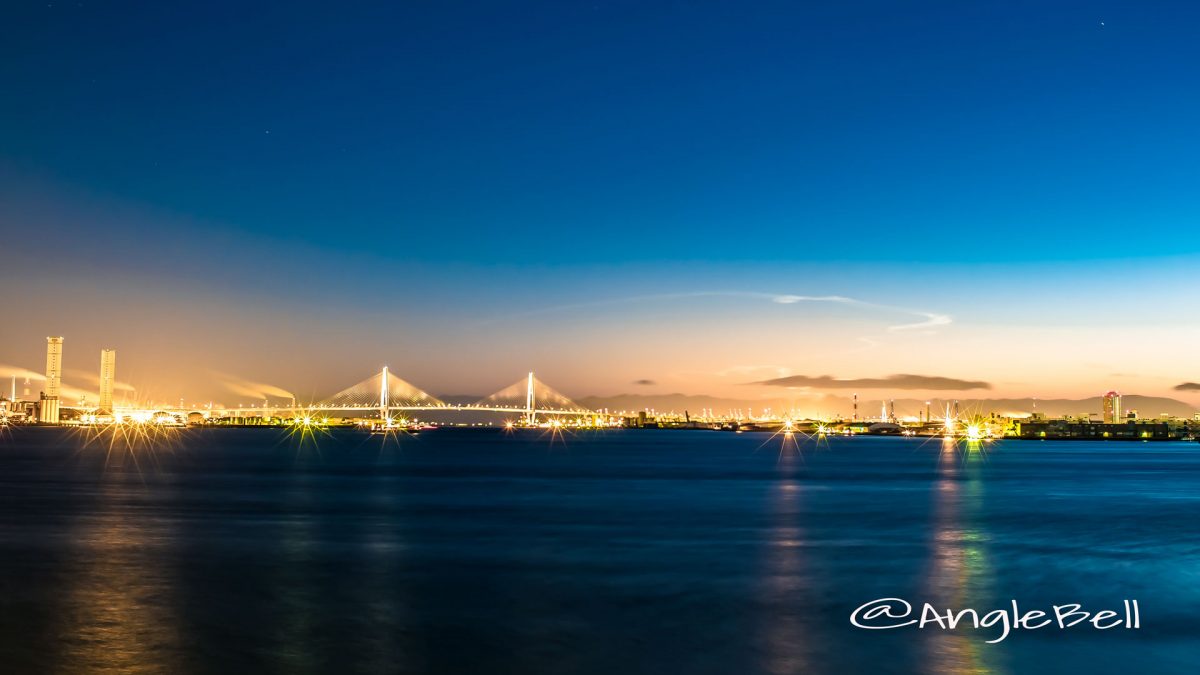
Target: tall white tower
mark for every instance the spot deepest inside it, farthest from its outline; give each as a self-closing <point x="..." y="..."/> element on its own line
<point x="49" y="402"/>
<point x="108" y="376"/>
<point x="530" y="416"/>
<point x="385" y="414"/>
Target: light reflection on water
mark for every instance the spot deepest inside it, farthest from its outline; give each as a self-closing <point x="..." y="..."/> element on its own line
<point x="634" y="551"/>
<point x="118" y="610"/>
<point x="958" y="575"/>
<point x="786" y="583"/>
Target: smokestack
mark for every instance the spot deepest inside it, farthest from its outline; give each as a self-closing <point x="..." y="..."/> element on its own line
<point x="49" y="403"/>
<point x="108" y="377"/>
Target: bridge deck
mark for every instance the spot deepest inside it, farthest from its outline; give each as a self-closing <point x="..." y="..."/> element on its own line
<point x="418" y="408"/>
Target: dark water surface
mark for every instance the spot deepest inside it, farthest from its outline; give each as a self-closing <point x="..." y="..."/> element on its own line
<point x="614" y="552"/>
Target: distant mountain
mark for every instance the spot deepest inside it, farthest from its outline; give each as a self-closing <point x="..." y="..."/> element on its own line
<point x="1146" y="406"/>
<point x="819" y="406"/>
<point x="826" y="406"/>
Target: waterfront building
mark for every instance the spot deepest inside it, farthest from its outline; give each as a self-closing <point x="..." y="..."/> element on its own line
<point x="1153" y="430"/>
<point x="108" y="374"/>
<point x="1112" y="408"/>
<point x="48" y="412"/>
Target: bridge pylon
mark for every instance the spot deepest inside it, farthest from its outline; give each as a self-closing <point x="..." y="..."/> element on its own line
<point x="528" y="397"/>
<point x="382" y="392"/>
<point x="530" y="409"/>
<point x="384" y="415"/>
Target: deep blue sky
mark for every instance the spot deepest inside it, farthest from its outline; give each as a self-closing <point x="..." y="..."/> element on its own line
<point x="602" y="131"/>
<point x="402" y="166"/>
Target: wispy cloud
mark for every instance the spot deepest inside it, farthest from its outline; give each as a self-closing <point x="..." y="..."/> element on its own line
<point x="928" y="319"/>
<point x="1188" y="386"/>
<point x="645" y="383"/>
<point x="923" y="320"/>
<point x="902" y="381"/>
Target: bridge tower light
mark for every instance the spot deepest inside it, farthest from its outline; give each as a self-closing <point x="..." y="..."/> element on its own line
<point x="530" y="415"/>
<point x="383" y="396"/>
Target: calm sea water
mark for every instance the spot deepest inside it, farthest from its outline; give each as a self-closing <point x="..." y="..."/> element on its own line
<point x="602" y="552"/>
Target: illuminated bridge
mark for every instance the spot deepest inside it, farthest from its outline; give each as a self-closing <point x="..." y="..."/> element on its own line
<point x="385" y="394"/>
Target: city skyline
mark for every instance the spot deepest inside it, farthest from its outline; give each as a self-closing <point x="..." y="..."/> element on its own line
<point x="809" y="396"/>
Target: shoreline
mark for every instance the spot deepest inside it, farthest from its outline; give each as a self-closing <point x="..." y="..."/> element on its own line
<point x="348" y="428"/>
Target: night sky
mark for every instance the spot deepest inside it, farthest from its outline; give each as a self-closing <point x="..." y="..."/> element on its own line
<point x="643" y="197"/>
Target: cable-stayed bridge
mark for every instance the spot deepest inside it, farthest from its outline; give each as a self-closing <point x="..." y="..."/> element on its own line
<point x="385" y="393"/>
